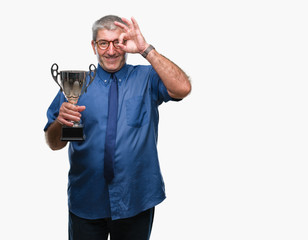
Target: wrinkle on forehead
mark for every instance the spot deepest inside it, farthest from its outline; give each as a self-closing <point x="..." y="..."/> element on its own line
<point x="109" y="35"/>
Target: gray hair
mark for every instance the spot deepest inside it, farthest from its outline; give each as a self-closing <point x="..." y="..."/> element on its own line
<point x="106" y="22"/>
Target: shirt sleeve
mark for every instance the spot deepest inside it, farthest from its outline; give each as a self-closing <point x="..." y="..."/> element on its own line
<point x="159" y="91"/>
<point x="53" y="110"/>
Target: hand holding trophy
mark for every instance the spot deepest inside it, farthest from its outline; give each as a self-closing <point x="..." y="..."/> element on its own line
<point x="73" y="84"/>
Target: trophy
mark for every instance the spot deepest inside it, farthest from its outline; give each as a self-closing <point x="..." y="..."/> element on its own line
<point x="73" y="84"/>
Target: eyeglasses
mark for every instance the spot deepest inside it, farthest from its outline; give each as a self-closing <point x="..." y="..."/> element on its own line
<point x="104" y="44"/>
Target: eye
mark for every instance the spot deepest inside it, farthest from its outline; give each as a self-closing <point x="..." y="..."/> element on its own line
<point x="103" y="44"/>
<point x="116" y="43"/>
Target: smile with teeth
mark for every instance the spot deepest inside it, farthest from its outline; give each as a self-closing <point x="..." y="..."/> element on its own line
<point x="111" y="58"/>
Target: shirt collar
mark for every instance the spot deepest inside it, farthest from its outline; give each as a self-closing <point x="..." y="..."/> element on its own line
<point x="106" y="76"/>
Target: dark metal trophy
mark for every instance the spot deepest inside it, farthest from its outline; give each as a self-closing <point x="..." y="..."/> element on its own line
<point x="73" y="84"/>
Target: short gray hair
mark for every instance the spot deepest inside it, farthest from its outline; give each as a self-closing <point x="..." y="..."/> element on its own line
<point x="106" y="22"/>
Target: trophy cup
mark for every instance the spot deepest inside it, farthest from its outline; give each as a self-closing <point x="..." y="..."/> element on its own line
<point x="73" y="84"/>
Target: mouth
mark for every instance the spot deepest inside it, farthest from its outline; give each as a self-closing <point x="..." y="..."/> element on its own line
<point x="111" y="58"/>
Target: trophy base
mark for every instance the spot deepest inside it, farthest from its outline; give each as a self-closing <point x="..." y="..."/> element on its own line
<point x="72" y="133"/>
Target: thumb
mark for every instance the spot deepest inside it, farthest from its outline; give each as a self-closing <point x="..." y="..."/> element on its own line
<point x="81" y="108"/>
<point x="122" y="42"/>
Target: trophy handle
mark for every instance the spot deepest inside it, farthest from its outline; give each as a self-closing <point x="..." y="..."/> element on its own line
<point x="92" y="73"/>
<point x="55" y="74"/>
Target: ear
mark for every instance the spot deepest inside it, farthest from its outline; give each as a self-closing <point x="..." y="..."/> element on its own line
<point x="93" y="46"/>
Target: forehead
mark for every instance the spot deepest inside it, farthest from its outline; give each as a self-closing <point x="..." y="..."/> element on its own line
<point x="109" y="35"/>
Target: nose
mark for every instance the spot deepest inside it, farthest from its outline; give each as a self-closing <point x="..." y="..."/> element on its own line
<point x="111" y="49"/>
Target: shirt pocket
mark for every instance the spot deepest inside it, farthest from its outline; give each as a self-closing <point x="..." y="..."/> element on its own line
<point x="136" y="112"/>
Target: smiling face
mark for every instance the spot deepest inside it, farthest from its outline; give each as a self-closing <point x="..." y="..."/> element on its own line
<point x="110" y="59"/>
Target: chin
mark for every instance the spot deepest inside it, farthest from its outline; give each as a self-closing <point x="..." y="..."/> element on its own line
<point x="113" y="67"/>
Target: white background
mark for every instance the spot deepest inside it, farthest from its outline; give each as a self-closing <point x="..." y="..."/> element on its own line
<point x="233" y="153"/>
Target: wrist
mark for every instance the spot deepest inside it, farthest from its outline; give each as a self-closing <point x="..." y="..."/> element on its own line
<point x="145" y="47"/>
<point x="148" y="49"/>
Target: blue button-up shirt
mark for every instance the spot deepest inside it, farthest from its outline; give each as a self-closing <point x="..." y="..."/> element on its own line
<point x="138" y="184"/>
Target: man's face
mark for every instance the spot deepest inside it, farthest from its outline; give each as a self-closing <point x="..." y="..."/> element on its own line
<point x="111" y="59"/>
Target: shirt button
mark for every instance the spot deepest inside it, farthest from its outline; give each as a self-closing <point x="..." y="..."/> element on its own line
<point x="105" y="80"/>
<point x="120" y="80"/>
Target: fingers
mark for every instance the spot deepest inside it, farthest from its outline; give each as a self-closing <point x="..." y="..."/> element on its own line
<point x="121" y="25"/>
<point x="81" y="108"/>
<point x="122" y="37"/>
<point x="69" y="113"/>
<point x="136" y="26"/>
<point x="129" y="24"/>
<point x="131" y="40"/>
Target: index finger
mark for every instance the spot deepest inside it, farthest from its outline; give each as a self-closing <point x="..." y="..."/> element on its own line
<point x="121" y="25"/>
<point x="72" y="107"/>
<point x="69" y="105"/>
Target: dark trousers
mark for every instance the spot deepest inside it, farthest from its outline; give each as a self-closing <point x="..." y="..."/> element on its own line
<point x="135" y="228"/>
